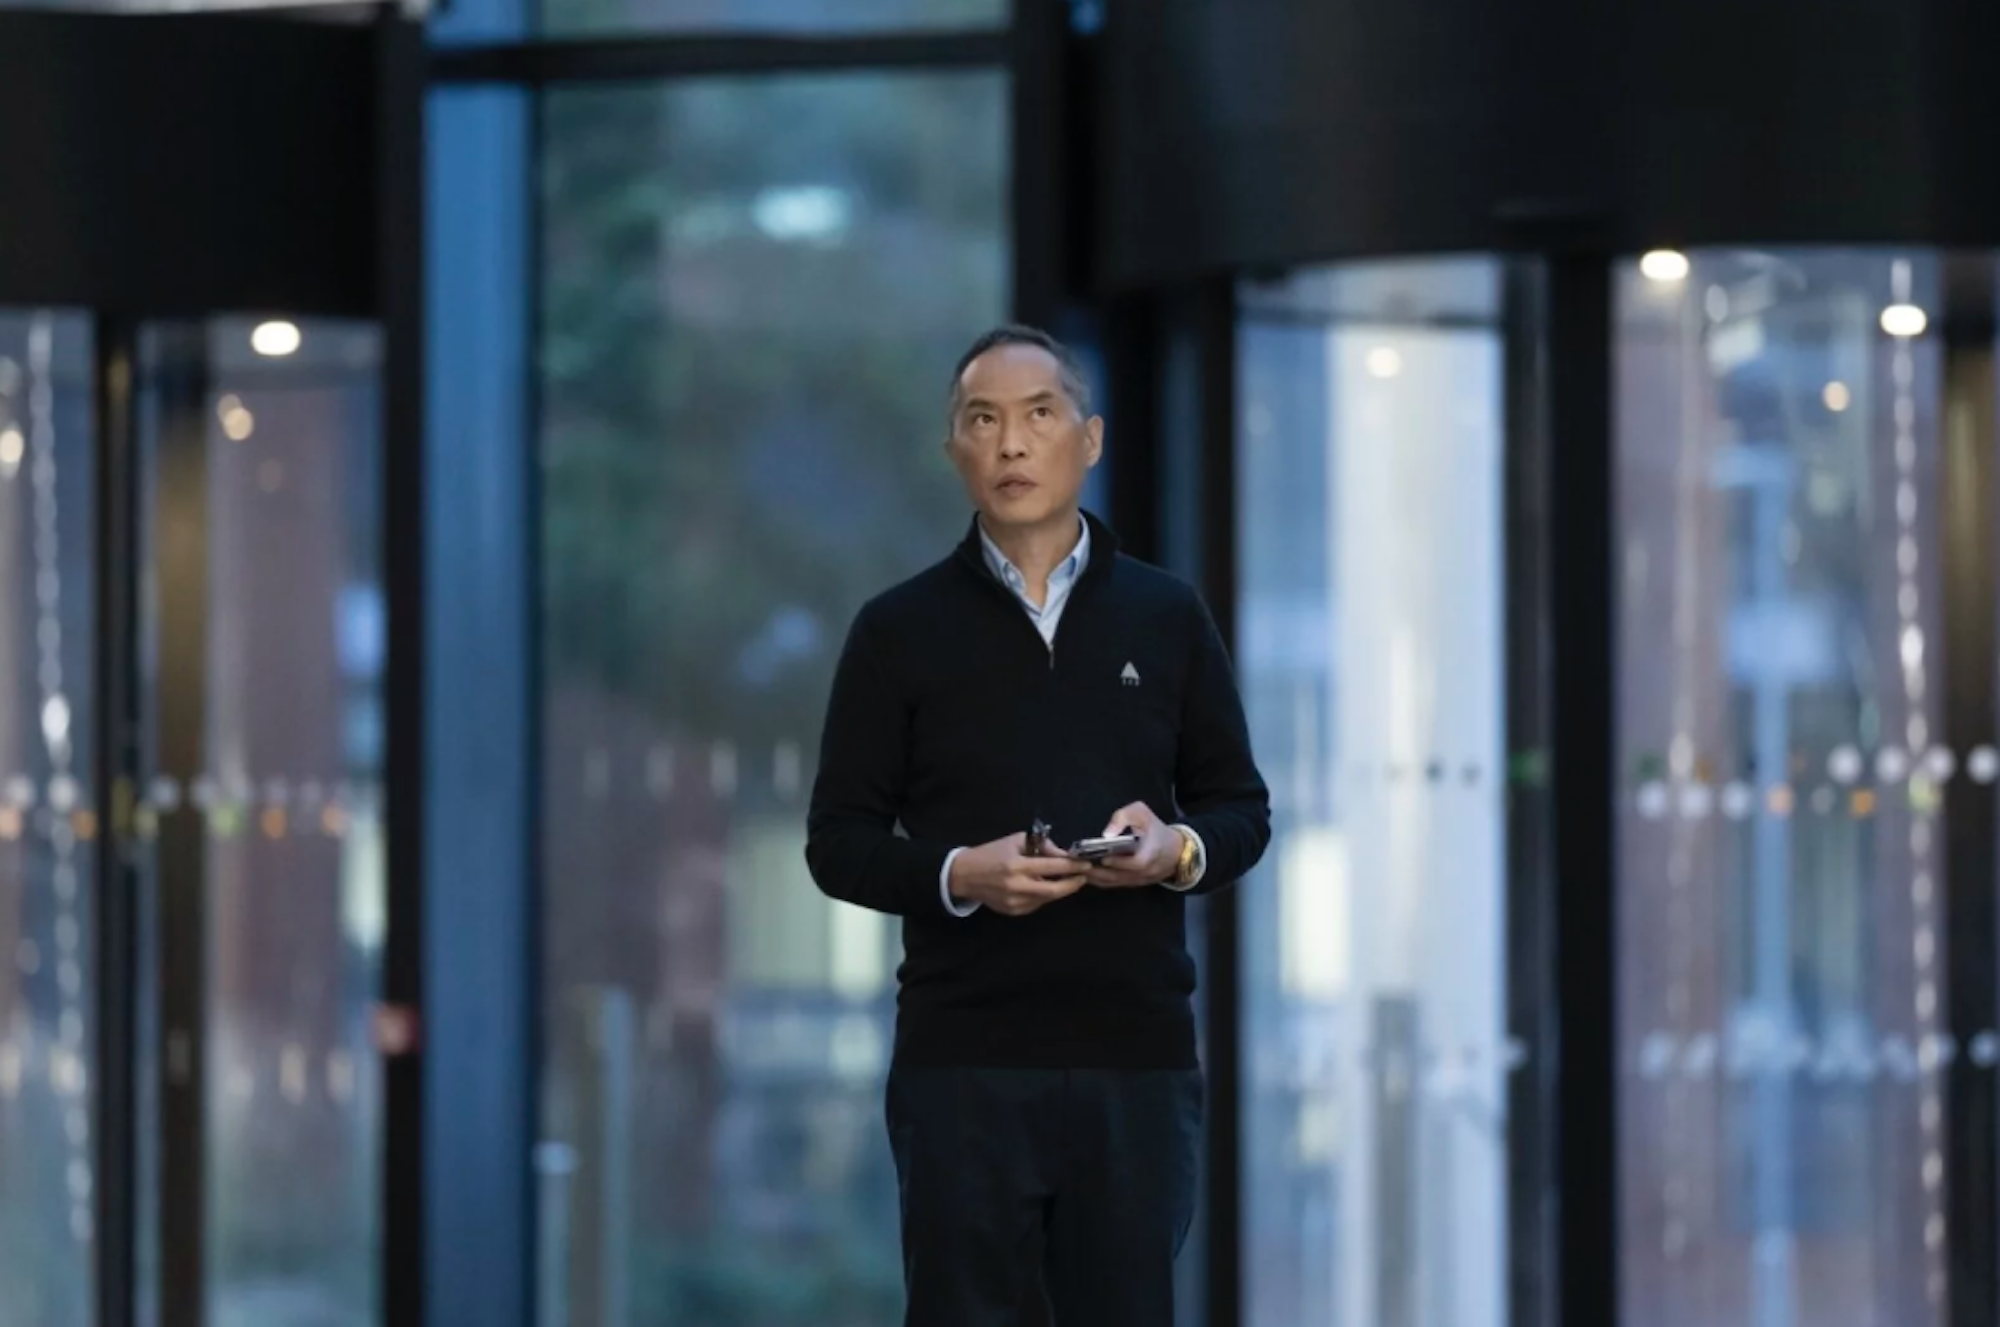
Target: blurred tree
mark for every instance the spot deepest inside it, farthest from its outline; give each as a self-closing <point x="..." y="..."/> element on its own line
<point x="754" y="292"/>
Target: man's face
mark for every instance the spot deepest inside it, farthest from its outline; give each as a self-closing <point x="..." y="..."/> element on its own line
<point x="1018" y="440"/>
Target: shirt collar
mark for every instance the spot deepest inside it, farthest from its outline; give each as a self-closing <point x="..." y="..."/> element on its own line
<point x="1070" y="567"/>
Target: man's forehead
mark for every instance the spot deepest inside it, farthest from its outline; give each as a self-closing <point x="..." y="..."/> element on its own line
<point x="1017" y="369"/>
<point x="986" y="393"/>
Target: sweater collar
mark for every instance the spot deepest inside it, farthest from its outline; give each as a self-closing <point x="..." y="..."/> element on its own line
<point x="1102" y="542"/>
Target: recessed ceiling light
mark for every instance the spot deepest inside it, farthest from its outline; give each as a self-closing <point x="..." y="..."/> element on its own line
<point x="1664" y="265"/>
<point x="276" y="339"/>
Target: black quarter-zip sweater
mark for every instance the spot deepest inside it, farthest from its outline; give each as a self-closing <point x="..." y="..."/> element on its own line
<point x="951" y="719"/>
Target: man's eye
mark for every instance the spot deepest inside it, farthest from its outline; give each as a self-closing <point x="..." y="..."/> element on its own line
<point x="1043" y="412"/>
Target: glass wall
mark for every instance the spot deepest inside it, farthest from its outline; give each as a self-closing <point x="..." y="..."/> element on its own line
<point x="1782" y="422"/>
<point x="48" y="830"/>
<point x="1371" y="650"/>
<point x="753" y="292"/>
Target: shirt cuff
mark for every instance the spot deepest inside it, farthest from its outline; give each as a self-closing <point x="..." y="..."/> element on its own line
<point x="956" y="907"/>
<point x="1201" y="862"/>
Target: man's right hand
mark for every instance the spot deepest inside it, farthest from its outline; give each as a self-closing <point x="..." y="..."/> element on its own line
<point x="1001" y="875"/>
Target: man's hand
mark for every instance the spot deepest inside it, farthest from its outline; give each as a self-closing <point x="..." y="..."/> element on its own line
<point x="1001" y="875"/>
<point x="1154" y="862"/>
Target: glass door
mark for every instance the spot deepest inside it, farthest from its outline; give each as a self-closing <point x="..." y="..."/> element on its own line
<point x="192" y="892"/>
<point x="1372" y="648"/>
<point x="1804" y="449"/>
<point x="260" y="666"/>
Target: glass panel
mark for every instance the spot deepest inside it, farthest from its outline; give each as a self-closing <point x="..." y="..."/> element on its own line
<point x="754" y="296"/>
<point x="1371" y="648"/>
<point x="570" y="17"/>
<point x="1781" y="845"/>
<point x="47" y="825"/>
<point x="294" y="851"/>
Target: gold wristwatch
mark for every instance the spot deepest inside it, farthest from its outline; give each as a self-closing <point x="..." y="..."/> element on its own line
<point x="1184" y="869"/>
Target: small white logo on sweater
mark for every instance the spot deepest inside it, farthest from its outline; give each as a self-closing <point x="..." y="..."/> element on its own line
<point x="1130" y="677"/>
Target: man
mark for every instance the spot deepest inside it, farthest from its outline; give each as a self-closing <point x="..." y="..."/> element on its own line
<point x="1044" y="1091"/>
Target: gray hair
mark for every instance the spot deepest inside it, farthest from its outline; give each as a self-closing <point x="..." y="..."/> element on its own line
<point x="1074" y="384"/>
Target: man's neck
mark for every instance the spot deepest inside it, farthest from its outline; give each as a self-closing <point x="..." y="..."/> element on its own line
<point x="1037" y="550"/>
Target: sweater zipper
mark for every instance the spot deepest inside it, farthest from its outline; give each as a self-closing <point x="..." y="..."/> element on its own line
<point x="1008" y="595"/>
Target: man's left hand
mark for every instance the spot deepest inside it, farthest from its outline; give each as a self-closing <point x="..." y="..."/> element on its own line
<point x="1155" y="861"/>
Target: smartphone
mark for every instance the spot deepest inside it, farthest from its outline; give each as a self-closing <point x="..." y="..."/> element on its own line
<point x="1096" y="850"/>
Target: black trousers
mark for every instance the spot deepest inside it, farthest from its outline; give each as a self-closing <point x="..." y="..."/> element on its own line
<point x="1086" y="1177"/>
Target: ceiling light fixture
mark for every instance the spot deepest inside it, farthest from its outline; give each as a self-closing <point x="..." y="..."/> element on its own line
<point x="276" y="339"/>
<point x="1664" y="266"/>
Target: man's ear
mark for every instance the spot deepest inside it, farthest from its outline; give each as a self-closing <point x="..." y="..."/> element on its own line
<point x="1093" y="429"/>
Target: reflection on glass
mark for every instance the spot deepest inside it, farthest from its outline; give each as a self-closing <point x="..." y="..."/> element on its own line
<point x="789" y="16"/>
<point x="47" y="824"/>
<point x="755" y="292"/>
<point x="1371" y="652"/>
<point x="1781" y="957"/>
<point x="294" y="850"/>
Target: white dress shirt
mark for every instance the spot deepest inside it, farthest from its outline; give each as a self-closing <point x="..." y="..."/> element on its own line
<point x="1046" y="616"/>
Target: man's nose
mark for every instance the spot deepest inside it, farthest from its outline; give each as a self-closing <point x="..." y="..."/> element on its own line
<point x="1012" y="445"/>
